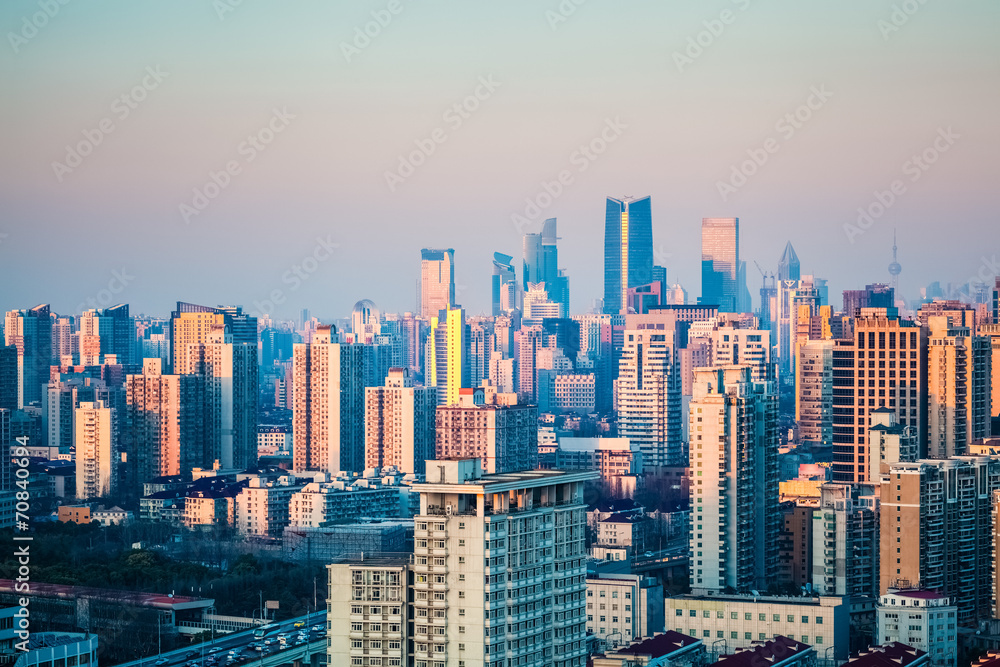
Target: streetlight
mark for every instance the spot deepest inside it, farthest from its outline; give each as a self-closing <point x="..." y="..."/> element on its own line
<point x="826" y="653"/>
<point x="725" y="647"/>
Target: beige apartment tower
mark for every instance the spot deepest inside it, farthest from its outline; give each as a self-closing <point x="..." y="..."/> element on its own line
<point x="96" y="440"/>
<point x="399" y="423"/>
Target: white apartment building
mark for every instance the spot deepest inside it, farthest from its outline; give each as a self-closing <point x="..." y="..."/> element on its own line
<point x="273" y="439"/>
<point x="399" y="423"/>
<point x="622" y="608"/>
<point x="320" y="503"/>
<point x="499" y="568"/>
<point x="97" y="456"/>
<point x="923" y="619"/>
<point x="741" y="620"/>
<point x="367" y="613"/>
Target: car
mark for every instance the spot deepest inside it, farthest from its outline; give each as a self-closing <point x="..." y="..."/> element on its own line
<point x="190" y="654"/>
<point x="316" y="628"/>
<point x="298" y="624"/>
<point x="267" y="642"/>
<point x="214" y="650"/>
<point x="648" y="554"/>
<point x="161" y="661"/>
<point x="258" y="648"/>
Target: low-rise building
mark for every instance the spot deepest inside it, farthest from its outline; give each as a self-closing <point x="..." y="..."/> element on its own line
<point x="349" y="498"/>
<point x="892" y="654"/>
<point x="923" y="619"/>
<point x="44" y="649"/>
<point x="618" y="460"/>
<point x="778" y="652"/>
<point x="623" y="530"/>
<point x="622" y="608"/>
<point x="114" y="516"/>
<point x="74" y="514"/>
<point x="262" y="506"/>
<point x="742" y="620"/>
<point x="671" y="649"/>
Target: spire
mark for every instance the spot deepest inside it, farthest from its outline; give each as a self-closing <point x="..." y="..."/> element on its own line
<point x="788" y="265"/>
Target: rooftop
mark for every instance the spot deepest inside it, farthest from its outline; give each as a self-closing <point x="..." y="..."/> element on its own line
<point x="778" y="649"/>
<point x="917" y="593"/>
<point x="888" y="655"/>
<point x="661" y="645"/>
<point x="136" y="598"/>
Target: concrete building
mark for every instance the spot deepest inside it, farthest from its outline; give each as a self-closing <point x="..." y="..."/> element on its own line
<point x="846" y="541"/>
<point x="888" y="442"/>
<point x="328" y="422"/>
<point x="648" y="389"/>
<point x="936" y="530"/>
<point x="670" y="648"/>
<point x="272" y="440"/>
<point x="884" y="366"/>
<point x="437" y="281"/>
<point x="617" y="459"/>
<point x="319" y="504"/>
<point x="958" y="386"/>
<point x="562" y="391"/>
<point x="164" y="423"/>
<point x="499" y="568"/>
<point x="623" y="530"/>
<point x="922" y="619"/>
<point x="814" y="392"/>
<point x="743" y="620"/>
<point x="795" y="548"/>
<point x="400" y="422"/>
<point x="97" y="456"/>
<point x="262" y="506"/>
<point x="368" y="615"/>
<point x="448" y="354"/>
<point x="30" y="333"/>
<point x="490" y="426"/>
<point x="734" y="494"/>
<point x="230" y="371"/>
<point x="623" y="608"/>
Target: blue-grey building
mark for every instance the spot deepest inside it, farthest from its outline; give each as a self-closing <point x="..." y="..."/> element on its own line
<point x="628" y="249"/>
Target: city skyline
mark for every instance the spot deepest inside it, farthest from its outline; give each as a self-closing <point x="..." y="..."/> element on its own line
<point x="317" y="196"/>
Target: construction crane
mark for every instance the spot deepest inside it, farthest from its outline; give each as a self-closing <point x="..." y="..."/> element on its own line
<point x="765" y="276"/>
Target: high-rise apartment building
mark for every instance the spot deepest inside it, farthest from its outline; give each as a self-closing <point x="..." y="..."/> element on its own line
<point x="921" y="619"/>
<point x="230" y="373"/>
<point x="499" y="568"/>
<point x="329" y="382"/>
<point x="448" y="354"/>
<point x="164" y="424"/>
<point x="958" y="386"/>
<point x="491" y="427"/>
<point x="884" y="366"/>
<point x="190" y="324"/>
<point x="8" y="378"/>
<point x="846" y="541"/>
<point x="113" y="331"/>
<point x="723" y="273"/>
<point x="368" y="614"/>
<point x="400" y="423"/>
<point x="30" y="332"/>
<point x="628" y="249"/>
<point x="648" y="389"/>
<point x="889" y="442"/>
<point x="736" y="518"/>
<point x="437" y="281"/>
<point x="814" y="392"/>
<point x="936" y="530"/>
<point x="97" y="456"/>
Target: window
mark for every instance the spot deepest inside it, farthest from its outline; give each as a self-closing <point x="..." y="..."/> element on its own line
<point x="706" y="614"/>
<point x="356" y="627"/>
<point x="678" y="612"/>
<point x="732" y="615"/>
<point x="777" y="618"/>
<point x="805" y="619"/>
<point x="762" y="617"/>
<point x="819" y="620"/>
<point x="791" y="618"/>
<point x="747" y="616"/>
<point x="819" y="639"/>
<point x="719" y="614"/>
<point x="692" y="613"/>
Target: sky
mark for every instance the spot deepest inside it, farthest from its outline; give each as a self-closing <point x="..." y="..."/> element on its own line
<point x="300" y="154"/>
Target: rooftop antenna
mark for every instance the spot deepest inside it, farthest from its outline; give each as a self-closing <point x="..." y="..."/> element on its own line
<point x="894" y="268"/>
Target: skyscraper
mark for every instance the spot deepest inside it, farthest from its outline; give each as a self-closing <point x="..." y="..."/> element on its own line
<point x="437" y="280"/>
<point x="164" y="423"/>
<point x="648" y="389"/>
<point x="231" y="382"/>
<point x="736" y="518"/>
<point x="628" y="249"/>
<point x="96" y="442"/>
<point x="328" y="414"/>
<point x="30" y="331"/>
<point x="723" y="273"/>
<point x="8" y="378"/>
<point x="448" y="358"/>
<point x="788" y="266"/>
<point x="399" y="423"/>
<point x="541" y="264"/>
<point x="504" y="288"/>
<point x="191" y="323"/>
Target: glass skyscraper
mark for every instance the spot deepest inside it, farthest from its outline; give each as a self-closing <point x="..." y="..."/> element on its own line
<point x="628" y="249"/>
<point x="723" y="274"/>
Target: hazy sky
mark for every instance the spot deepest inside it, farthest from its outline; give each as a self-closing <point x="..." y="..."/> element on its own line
<point x="201" y="78"/>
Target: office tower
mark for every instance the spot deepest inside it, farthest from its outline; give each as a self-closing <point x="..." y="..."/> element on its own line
<point x="958" y="386"/>
<point x="448" y="354"/>
<point x="108" y="331"/>
<point x="541" y="264"/>
<point x="723" y="273"/>
<point x="191" y="323"/>
<point x="797" y="302"/>
<point x="876" y="295"/>
<point x="492" y="427"/>
<point x="648" y="389"/>
<point x="8" y="378"/>
<point x="525" y="606"/>
<point x="504" y="288"/>
<point x="400" y="422"/>
<point x="164" y="423"/>
<point x="788" y="266"/>
<point x="538" y="306"/>
<point x="30" y="331"/>
<point x="936" y="530"/>
<point x="437" y="281"/>
<point x="884" y="367"/>
<point x="329" y="382"/>
<point x="97" y="456"/>
<point x="628" y="249"/>
<point x="814" y="392"/>
<point x="412" y="333"/>
<point x="846" y="541"/>
<point x="734" y="496"/>
<point x="230" y="373"/>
